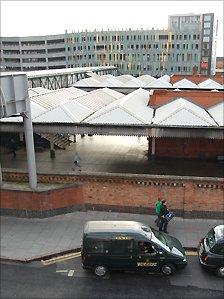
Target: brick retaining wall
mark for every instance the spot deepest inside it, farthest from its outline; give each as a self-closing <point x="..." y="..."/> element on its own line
<point x="187" y="196"/>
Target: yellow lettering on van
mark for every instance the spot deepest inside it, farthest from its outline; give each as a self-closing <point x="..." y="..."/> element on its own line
<point x="146" y="264"/>
<point x="122" y="238"/>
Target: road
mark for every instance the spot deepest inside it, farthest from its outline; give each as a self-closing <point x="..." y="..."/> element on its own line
<point x="67" y="279"/>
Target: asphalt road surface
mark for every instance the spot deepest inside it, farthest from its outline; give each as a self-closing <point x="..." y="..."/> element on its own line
<point x="67" y="279"/>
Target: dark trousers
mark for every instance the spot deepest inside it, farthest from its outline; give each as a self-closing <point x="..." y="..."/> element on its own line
<point x="163" y="225"/>
<point x="157" y="221"/>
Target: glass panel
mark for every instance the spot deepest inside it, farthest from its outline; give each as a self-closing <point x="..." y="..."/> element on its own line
<point x="207" y="25"/>
<point x="122" y="246"/>
<point x="207" y="18"/>
<point x="210" y="239"/>
<point x="97" y="246"/>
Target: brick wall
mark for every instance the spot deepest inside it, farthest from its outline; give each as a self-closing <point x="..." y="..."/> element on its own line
<point x="187" y="196"/>
<point x="189" y="148"/>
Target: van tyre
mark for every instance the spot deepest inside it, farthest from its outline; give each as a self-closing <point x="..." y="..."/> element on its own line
<point x="220" y="271"/>
<point x="168" y="269"/>
<point x="100" y="271"/>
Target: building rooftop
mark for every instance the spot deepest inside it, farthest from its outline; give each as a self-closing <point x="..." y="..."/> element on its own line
<point x="200" y="97"/>
<point x="196" y="78"/>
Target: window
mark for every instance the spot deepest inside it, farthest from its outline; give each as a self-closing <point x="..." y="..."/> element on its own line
<point x="218" y="249"/>
<point x="185" y="36"/>
<point x="97" y="246"/>
<point x="210" y="239"/>
<point x="207" y="25"/>
<point x="178" y="46"/>
<point x="146" y="248"/>
<point x="122" y="247"/>
<point x="206" y="39"/>
<point x="207" y="18"/>
<point x="196" y="46"/>
<point x="206" y="31"/>
<point x="163" y="37"/>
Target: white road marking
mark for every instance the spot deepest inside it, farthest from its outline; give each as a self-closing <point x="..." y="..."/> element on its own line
<point x="61" y="271"/>
<point x="71" y="272"/>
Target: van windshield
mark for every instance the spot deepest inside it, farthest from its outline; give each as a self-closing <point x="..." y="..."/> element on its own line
<point x="161" y="237"/>
<point x="210" y="239"/>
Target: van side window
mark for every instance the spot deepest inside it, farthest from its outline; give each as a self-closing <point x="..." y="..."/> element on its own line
<point x="122" y="246"/>
<point x="97" y="246"/>
<point x="146" y="247"/>
<point x="218" y="249"/>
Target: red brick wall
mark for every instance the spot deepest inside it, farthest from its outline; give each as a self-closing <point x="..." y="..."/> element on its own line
<point x="41" y="201"/>
<point x="189" y="148"/>
<point x="186" y="195"/>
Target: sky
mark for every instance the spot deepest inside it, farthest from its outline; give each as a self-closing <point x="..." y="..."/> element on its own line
<point x="24" y="18"/>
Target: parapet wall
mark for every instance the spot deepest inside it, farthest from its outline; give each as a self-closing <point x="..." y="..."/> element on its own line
<point x="189" y="197"/>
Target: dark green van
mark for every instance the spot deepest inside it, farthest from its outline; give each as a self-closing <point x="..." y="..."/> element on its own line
<point x="129" y="245"/>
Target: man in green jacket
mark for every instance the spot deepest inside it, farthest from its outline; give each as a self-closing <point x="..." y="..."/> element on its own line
<point x="158" y="205"/>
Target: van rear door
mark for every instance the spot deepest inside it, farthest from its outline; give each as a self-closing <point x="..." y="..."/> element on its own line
<point x="122" y="254"/>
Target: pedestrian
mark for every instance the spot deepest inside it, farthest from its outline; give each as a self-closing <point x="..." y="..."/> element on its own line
<point x="77" y="161"/>
<point x="158" y="204"/>
<point x="163" y="221"/>
<point x="12" y="147"/>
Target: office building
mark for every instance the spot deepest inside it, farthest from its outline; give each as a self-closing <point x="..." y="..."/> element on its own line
<point x="187" y="45"/>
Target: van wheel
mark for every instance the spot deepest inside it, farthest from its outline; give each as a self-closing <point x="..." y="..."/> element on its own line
<point x="220" y="271"/>
<point x="100" y="271"/>
<point x="168" y="269"/>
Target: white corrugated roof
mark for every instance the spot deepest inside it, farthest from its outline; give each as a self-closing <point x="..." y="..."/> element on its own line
<point x="159" y="83"/>
<point x="37" y="90"/>
<point x="146" y="79"/>
<point x="88" y="82"/>
<point x="185" y="83"/>
<point x="99" y="98"/>
<point x="131" y="109"/>
<point x="182" y="112"/>
<point x="70" y="111"/>
<point x="210" y="84"/>
<point x="36" y="109"/>
<point x="217" y="112"/>
<point x="134" y="83"/>
<point x="55" y="97"/>
<point x="76" y="92"/>
<point x="125" y="78"/>
<point x="165" y="78"/>
<point x="110" y="82"/>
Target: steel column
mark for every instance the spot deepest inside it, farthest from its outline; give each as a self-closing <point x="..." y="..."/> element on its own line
<point x="30" y="147"/>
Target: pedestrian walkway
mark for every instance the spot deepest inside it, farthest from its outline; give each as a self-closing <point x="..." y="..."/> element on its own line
<point x="112" y="154"/>
<point x="25" y="239"/>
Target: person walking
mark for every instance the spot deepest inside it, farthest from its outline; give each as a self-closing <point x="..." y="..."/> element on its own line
<point x="158" y="205"/>
<point x="77" y="161"/>
<point x="12" y="147"/>
<point x="163" y="221"/>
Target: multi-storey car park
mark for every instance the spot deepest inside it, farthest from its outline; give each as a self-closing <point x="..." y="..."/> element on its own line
<point x="188" y="43"/>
